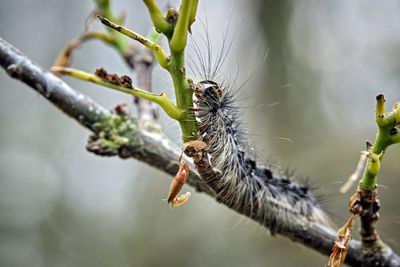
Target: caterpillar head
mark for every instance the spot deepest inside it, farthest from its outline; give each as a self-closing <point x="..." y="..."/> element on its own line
<point x="208" y="89"/>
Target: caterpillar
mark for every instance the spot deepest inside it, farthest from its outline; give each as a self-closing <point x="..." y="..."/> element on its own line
<point x="229" y="164"/>
<point x="239" y="181"/>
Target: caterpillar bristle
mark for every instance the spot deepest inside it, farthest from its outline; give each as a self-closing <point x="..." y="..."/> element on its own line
<point x="241" y="183"/>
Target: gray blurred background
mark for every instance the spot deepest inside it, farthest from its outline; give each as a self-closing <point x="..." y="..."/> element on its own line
<point x="313" y="70"/>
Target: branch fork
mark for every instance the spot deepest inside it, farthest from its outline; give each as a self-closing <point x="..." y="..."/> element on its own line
<point x="364" y="203"/>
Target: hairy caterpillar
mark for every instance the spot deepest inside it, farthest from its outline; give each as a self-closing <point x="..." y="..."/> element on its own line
<point x="239" y="182"/>
<point x="229" y="163"/>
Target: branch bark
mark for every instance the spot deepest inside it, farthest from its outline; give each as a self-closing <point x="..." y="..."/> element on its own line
<point x="154" y="149"/>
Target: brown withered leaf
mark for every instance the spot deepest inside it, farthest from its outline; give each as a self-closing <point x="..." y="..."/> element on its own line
<point x="194" y="149"/>
<point x="342" y="243"/>
<point x="181" y="199"/>
<point x="65" y="56"/>
<point x="354" y="198"/>
<point x="195" y="145"/>
<point x="344" y="235"/>
<point x="178" y="181"/>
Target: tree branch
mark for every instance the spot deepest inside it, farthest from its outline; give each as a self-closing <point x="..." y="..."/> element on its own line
<point x="151" y="148"/>
<point x="155" y="149"/>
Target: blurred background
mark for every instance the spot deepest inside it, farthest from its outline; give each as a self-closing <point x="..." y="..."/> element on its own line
<point x="312" y="68"/>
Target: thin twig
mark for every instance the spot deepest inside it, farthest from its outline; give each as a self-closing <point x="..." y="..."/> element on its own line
<point x="170" y="108"/>
<point x="155" y="48"/>
<point x="356" y="174"/>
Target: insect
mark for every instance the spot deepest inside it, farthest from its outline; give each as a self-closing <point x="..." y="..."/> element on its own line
<point x="177" y="184"/>
<point x="240" y="182"/>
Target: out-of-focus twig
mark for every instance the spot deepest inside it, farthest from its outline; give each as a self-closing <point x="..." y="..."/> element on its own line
<point x="143" y="60"/>
<point x="137" y="58"/>
<point x="356" y="174"/>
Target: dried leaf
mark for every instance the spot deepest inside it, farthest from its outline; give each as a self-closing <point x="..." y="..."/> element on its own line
<point x="181" y="199"/>
<point x="339" y="250"/>
<point x="178" y="182"/>
<point x="195" y="145"/>
<point x="337" y="257"/>
<point x="65" y="57"/>
<point x="345" y="234"/>
<point x="354" y="198"/>
<point x="194" y="149"/>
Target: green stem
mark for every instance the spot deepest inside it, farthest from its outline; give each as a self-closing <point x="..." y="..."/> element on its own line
<point x="396" y="112"/>
<point x="380" y="115"/>
<point x="183" y="90"/>
<point x="193" y="12"/>
<point x="158" y="19"/>
<point x="386" y="137"/>
<point x="170" y="108"/>
<point x="184" y="96"/>
<point x="178" y="40"/>
<point x="120" y="42"/>
<point x="370" y="173"/>
<point x="382" y="141"/>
